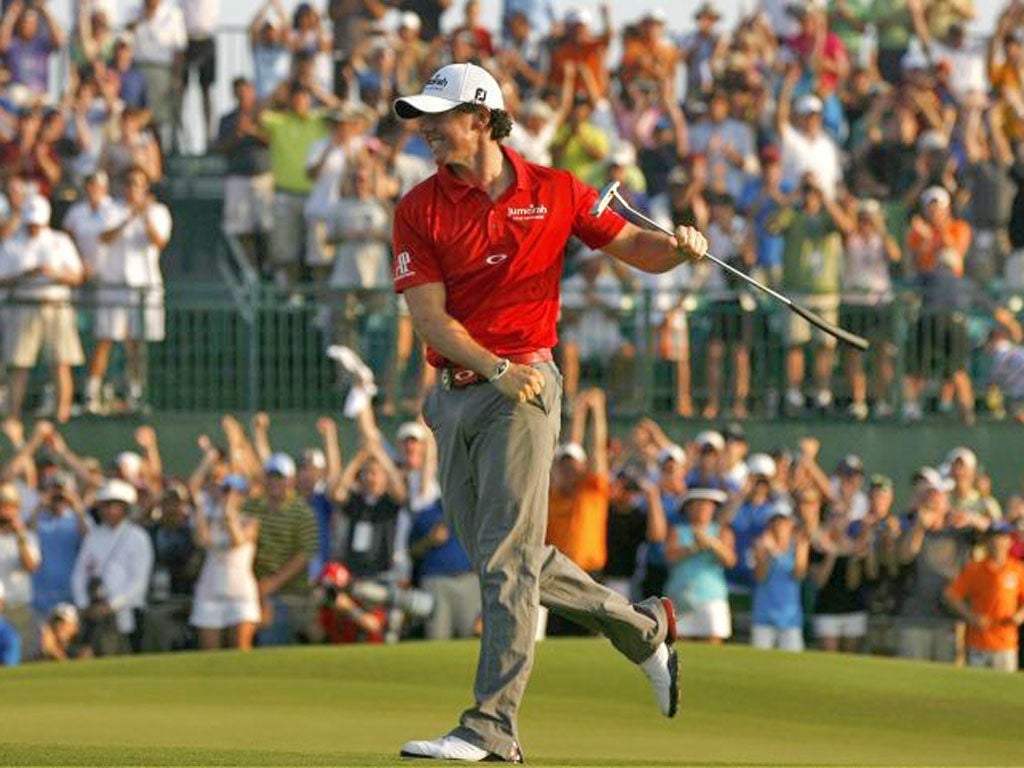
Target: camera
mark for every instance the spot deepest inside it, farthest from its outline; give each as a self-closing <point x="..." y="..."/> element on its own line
<point x="97" y="590"/>
<point x="336" y="579"/>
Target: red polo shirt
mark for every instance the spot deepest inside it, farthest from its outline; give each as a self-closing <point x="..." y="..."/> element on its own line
<point x="500" y="261"/>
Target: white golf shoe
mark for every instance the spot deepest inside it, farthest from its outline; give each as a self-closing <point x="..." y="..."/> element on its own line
<point x="662" y="667"/>
<point x="454" y="748"/>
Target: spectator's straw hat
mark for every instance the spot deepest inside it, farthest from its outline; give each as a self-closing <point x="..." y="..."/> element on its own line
<point x="36" y="211"/>
<point x="117" y="490"/>
<point x="64" y="612"/>
<point x="412" y="430"/>
<point x="706" y="10"/>
<point x="710" y="439"/>
<point x="570" y="450"/>
<point x="935" y="195"/>
<point x="671" y="452"/>
<point x="280" y="464"/>
<point x="235" y="482"/>
<point x="578" y="16"/>
<point x="964" y="454"/>
<point x="761" y="465"/>
<point x="707" y="494"/>
<point x="869" y="208"/>
<point x="9" y="494"/>
<point x="930" y="141"/>
<point x="808" y="104"/>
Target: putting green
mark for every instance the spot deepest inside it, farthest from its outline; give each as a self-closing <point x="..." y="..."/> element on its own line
<point x="586" y="706"/>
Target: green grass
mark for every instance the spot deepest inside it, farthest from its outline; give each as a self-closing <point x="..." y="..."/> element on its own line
<point x="586" y="706"/>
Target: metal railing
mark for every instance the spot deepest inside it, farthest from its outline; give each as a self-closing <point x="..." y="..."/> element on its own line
<point x="249" y="346"/>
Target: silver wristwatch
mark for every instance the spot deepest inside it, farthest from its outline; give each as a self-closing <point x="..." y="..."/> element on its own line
<point x="500" y="369"/>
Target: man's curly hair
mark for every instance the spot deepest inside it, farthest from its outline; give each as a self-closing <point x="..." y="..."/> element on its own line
<point x="501" y="121"/>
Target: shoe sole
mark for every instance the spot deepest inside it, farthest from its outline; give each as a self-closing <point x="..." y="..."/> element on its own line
<point x="673" y="691"/>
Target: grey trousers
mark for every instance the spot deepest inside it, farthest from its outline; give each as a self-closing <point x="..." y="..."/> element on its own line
<point x="494" y="464"/>
<point x="456" y="605"/>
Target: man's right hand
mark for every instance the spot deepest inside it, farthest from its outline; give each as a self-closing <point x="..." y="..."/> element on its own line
<point x="520" y="383"/>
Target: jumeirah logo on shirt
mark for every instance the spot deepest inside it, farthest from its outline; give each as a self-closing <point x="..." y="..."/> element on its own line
<point x="531" y="213"/>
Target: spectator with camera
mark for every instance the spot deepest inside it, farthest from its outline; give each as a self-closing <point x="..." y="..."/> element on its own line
<point x="226" y="608"/>
<point x="884" y="578"/>
<point x="989" y="595"/>
<point x="781" y="557"/>
<point x="19" y="559"/>
<point x="111" y="576"/>
<point x="287" y="542"/>
<point x="751" y="517"/>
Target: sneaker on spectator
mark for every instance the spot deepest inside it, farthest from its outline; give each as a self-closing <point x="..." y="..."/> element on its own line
<point x="884" y="410"/>
<point x="823" y="399"/>
<point x="912" y="411"/>
<point x="794" y="401"/>
<point x="859" y="411"/>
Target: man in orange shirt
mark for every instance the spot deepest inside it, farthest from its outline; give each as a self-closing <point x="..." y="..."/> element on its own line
<point x="587" y="51"/>
<point x="990" y="596"/>
<point x="579" y="495"/>
<point x="649" y="54"/>
<point x="936" y="230"/>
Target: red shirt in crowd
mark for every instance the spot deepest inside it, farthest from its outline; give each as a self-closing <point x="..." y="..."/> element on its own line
<point x="500" y="261"/>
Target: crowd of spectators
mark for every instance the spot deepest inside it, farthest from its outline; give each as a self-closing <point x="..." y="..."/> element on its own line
<point x="259" y="547"/>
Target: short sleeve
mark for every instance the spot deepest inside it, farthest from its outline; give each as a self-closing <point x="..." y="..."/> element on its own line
<point x="69" y="254"/>
<point x="160" y="217"/>
<point x="595" y="231"/>
<point x="415" y="258"/>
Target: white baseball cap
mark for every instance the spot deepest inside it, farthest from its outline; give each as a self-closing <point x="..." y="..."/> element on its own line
<point x="964" y="454"/>
<point x="712" y="438"/>
<point x="129" y="463"/>
<point x="935" y="195"/>
<point x="761" y="464"/>
<point x="933" y="479"/>
<point x="36" y="211"/>
<point x="578" y="16"/>
<point x="280" y="464"/>
<point x="808" y="104"/>
<point x="572" y="450"/>
<point x="412" y="430"/>
<point x="117" y="490"/>
<point x="672" y="452"/>
<point x="448" y="88"/>
<point x="707" y="494"/>
<point x="409" y="20"/>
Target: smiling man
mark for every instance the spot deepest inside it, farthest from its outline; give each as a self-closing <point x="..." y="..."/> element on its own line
<point x="478" y="255"/>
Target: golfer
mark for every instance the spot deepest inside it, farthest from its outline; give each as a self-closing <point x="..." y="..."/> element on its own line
<point x="478" y="251"/>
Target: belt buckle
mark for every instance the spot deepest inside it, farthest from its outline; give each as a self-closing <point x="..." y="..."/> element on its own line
<point x="446" y="378"/>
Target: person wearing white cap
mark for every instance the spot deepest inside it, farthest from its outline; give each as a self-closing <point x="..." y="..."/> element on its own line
<point x="650" y="54"/>
<point x="42" y="266"/>
<point x="497" y="412"/>
<point x="932" y="553"/>
<point x="699" y="550"/>
<point x="751" y="517"/>
<point x="58" y="633"/>
<point x="268" y="32"/>
<point x="936" y="229"/>
<point x="780" y="564"/>
<point x="806" y="147"/>
<point x="287" y="543"/>
<point x="131" y="301"/>
<point x="584" y="49"/>
<point x="966" y="505"/>
<point x="534" y="132"/>
<point x="111" y="573"/>
<point x="707" y="471"/>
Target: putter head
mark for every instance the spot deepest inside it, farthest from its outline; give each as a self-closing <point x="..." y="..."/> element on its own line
<point x="605" y="198"/>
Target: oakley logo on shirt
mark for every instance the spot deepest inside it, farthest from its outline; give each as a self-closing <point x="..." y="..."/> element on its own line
<point x="496" y="258"/>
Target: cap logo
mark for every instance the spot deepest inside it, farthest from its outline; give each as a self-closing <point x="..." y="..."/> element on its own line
<point x="480" y="95"/>
<point x="436" y="82"/>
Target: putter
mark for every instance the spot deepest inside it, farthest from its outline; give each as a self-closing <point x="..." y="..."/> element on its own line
<point x="611" y="193"/>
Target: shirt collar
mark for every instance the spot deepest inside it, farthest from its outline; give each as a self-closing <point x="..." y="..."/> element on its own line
<point x="456" y="189"/>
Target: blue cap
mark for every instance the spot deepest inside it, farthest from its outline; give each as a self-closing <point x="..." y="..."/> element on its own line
<point x="235" y="482"/>
<point x="280" y="464"/>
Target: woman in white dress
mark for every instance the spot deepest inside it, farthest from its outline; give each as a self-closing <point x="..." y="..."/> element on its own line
<point x="226" y="606"/>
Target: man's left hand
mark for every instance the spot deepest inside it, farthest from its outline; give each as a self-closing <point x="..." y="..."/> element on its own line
<point x="691" y="242"/>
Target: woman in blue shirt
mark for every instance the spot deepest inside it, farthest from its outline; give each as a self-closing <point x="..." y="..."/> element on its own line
<point x="780" y="564"/>
<point x="698" y="551"/>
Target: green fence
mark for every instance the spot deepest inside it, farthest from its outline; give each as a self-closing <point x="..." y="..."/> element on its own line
<point x="261" y="347"/>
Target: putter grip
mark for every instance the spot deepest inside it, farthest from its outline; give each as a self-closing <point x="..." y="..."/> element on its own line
<point x="833" y="330"/>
